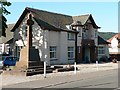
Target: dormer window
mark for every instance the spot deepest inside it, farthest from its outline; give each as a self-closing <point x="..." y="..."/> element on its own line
<point x="73" y="28"/>
<point x="69" y="27"/>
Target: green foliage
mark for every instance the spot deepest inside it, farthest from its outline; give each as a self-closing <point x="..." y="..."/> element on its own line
<point x="106" y="35"/>
<point x="3" y="11"/>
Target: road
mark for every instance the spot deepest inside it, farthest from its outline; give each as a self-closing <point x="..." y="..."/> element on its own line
<point x="107" y="81"/>
<point x="99" y="79"/>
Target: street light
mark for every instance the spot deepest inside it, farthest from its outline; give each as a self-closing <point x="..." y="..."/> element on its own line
<point x="75" y="26"/>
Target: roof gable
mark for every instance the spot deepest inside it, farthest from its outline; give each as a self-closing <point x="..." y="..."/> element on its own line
<point x="84" y="19"/>
<point x="102" y="41"/>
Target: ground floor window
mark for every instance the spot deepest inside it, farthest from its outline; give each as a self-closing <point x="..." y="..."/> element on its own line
<point x="70" y="52"/>
<point x="53" y="51"/>
<point x="18" y="48"/>
<point x="101" y="50"/>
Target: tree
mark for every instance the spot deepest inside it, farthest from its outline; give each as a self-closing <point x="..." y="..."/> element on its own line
<point x="3" y="20"/>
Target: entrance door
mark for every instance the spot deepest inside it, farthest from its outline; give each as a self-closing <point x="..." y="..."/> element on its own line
<point x="86" y="55"/>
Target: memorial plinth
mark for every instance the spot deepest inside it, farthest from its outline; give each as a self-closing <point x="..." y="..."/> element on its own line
<point x="29" y="55"/>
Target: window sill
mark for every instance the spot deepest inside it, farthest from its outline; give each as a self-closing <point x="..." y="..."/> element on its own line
<point x="71" y="58"/>
<point x="53" y="59"/>
<point x="71" y="39"/>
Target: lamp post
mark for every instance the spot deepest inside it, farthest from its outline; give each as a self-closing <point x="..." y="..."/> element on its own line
<point x="75" y="26"/>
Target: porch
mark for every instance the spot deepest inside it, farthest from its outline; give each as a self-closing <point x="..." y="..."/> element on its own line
<point x="87" y="52"/>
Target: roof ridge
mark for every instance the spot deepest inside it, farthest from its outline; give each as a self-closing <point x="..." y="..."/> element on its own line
<point x="82" y="15"/>
<point x="28" y="8"/>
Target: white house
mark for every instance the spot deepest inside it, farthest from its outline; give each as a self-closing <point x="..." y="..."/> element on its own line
<point x="59" y="38"/>
<point x="114" y="47"/>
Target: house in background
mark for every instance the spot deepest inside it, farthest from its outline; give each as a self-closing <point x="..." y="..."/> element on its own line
<point x="57" y="36"/>
<point x="103" y="48"/>
<point x="114" y="47"/>
<point x="6" y="43"/>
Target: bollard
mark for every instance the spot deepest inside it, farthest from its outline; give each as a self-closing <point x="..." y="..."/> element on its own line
<point x="75" y="68"/>
<point x="97" y="65"/>
<point x="44" y="69"/>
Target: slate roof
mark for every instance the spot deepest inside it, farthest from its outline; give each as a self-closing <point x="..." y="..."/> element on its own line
<point x="9" y="34"/>
<point x="53" y="21"/>
<point x="102" y="41"/>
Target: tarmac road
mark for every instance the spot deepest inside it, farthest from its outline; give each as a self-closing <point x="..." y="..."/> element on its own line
<point x="99" y="79"/>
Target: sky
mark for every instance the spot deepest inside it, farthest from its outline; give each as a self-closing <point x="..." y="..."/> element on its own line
<point x="105" y="14"/>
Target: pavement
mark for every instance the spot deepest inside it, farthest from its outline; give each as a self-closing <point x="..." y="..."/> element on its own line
<point x="8" y="80"/>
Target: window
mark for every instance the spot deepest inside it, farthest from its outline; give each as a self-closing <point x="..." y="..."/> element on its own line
<point x="53" y="51"/>
<point x="70" y="52"/>
<point x="0" y="48"/>
<point x="79" y="34"/>
<point x="69" y="27"/>
<point x="71" y="36"/>
<point x="95" y="33"/>
<point x="18" y="49"/>
<point x="101" y="50"/>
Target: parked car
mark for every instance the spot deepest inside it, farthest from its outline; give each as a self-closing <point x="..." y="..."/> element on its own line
<point x="9" y="61"/>
<point x="1" y="64"/>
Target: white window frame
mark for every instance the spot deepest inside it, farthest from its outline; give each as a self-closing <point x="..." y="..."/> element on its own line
<point x="53" y="50"/>
<point x="71" y="36"/>
<point x="0" y="48"/>
<point x="71" y="53"/>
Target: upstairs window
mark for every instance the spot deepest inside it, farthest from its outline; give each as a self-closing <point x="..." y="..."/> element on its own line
<point x="71" y="36"/>
<point x="95" y="33"/>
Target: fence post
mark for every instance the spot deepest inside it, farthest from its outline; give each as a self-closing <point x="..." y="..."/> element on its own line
<point x="44" y="69"/>
<point x="75" y="68"/>
<point x="97" y="65"/>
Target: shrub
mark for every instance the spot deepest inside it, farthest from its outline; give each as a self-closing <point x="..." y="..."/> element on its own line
<point x="104" y="59"/>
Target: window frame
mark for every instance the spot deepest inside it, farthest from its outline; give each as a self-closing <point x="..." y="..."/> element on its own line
<point x="69" y="53"/>
<point x="101" y="50"/>
<point x="54" y="52"/>
<point x="70" y="36"/>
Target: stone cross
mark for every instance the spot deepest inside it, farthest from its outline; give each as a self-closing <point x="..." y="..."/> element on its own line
<point x="30" y="22"/>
